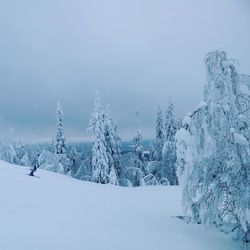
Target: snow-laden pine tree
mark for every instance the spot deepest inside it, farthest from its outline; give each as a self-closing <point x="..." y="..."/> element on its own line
<point x="24" y="161"/>
<point x="138" y="137"/>
<point x="213" y="150"/>
<point x="159" y="136"/>
<point x="8" y="153"/>
<point x="99" y="161"/>
<point x="60" y="143"/>
<point x="133" y="168"/>
<point x="112" y="143"/>
<point x="168" y="169"/>
<point x="170" y="123"/>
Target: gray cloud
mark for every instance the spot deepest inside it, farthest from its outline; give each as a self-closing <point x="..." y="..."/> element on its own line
<point x="136" y="53"/>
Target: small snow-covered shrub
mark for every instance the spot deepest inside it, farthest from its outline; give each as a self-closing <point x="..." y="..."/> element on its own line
<point x="86" y="178"/>
<point x="124" y="183"/>
<point x="84" y="169"/>
<point x="134" y="175"/>
<point x="152" y="167"/>
<point x="149" y="179"/>
<point x="164" y="181"/>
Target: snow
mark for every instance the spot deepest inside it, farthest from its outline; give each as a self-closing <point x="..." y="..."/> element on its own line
<point x="202" y="105"/>
<point x="240" y="139"/>
<point x="187" y="119"/>
<point x="58" y="212"/>
<point x="244" y="84"/>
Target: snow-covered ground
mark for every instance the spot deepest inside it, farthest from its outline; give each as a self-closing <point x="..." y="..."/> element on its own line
<point x="59" y="213"/>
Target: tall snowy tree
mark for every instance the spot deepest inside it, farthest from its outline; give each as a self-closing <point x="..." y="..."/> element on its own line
<point x="138" y="169"/>
<point x="170" y="123"/>
<point x="138" y="137"/>
<point x="159" y="136"/>
<point x="60" y="143"/>
<point x="213" y="150"/>
<point x="168" y="169"/>
<point x="99" y="161"/>
<point x="112" y="142"/>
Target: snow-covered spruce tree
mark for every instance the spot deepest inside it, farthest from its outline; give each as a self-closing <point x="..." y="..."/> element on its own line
<point x="138" y="137"/>
<point x="213" y="151"/>
<point x="60" y="144"/>
<point x="159" y="136"/>
<point x="171" y="124"/>
<point x="24" y="161"/>
<point x="112" y="142"/>
<point x="60" y="141"/>
<point x="51" y="162"/>
<point x="8" y="153"/>
<point x="99" y="161"/>
<point x="168" y="169"/>
<point x="138" y="146"/>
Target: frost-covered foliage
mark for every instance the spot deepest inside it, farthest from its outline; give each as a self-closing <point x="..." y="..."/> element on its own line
<point x="138" y="137"/>
<point x="149" y="179"/>
<point x="138" y="163"/>
<point x="49" y="161"/>
<point x="163" y="150"/>
<point x="8" y="153"/>
<point x="134" y="175"/>
<point x="66" y="163"/>
<point x="75" y="161"/>
<point x="164" y="181"/>
<point x="112" y="143"/>
<point x="85" y="169"/>
<point x="100" y="167"/>
<point x="171" y="125"/>
<point x="131" y="170"/>
<point x="153" y="167"/>
<point x="168" y="169"/>
<point x="159" y="136"/>
<point x="25" y="161"/>
<point x="124" y="183"/>
<point x="106" y="151"/>
<point x="60" y="144"/>
<point x="213" y="152"/>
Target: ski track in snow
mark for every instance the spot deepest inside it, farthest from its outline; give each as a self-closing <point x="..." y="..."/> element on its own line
<point x="55" y="212"/>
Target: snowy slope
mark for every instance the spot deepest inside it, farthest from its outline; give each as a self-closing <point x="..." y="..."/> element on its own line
<point x="59" y="213"/>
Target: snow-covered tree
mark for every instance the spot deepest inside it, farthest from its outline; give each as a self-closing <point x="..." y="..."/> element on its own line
<point x="50" y="161"/>
<point x="159" y="136"/>
<point x="8" y="153"/>
<point x="170" y="123"/>
<point x="75" y="161"/>
<point x="60" y="143"/>
<point x="25" y="161"/>
<point x="100" y="167"/>
<point x="112" y="143"/>
<point x="138" y="137"/>
<point x="168" y="169"/>
<point x="213" y="150"/>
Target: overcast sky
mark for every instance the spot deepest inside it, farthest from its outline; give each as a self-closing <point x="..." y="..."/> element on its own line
<point x="137" y="53"/>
